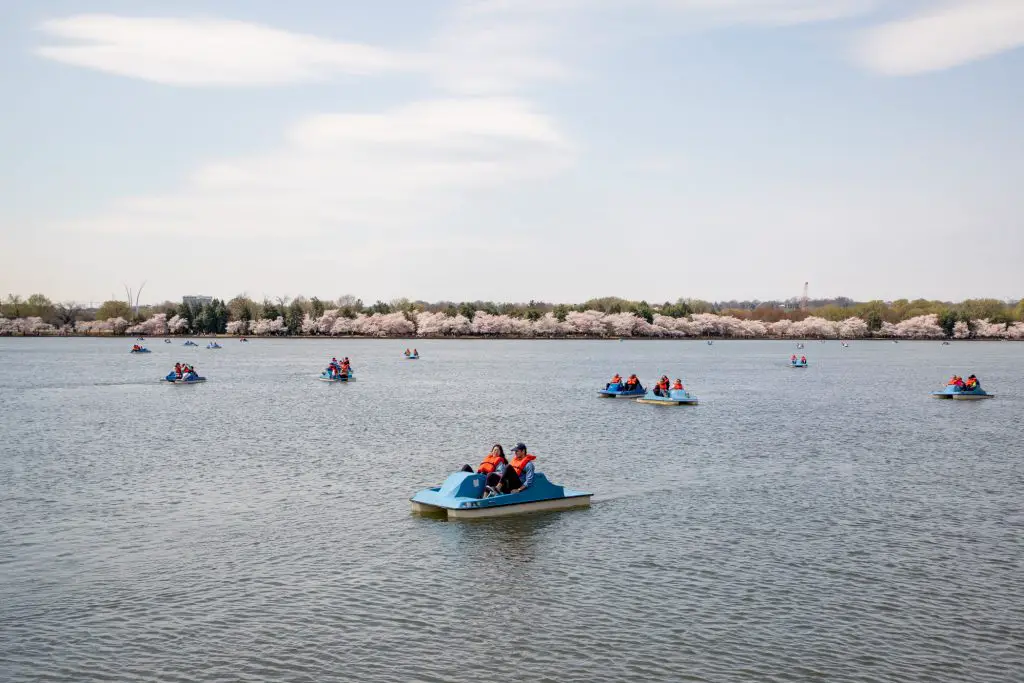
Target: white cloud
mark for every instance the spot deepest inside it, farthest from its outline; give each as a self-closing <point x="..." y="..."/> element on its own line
<point x="397" y="169"/>
<point x="955" y="33"/>
<point x="209" y="52"/>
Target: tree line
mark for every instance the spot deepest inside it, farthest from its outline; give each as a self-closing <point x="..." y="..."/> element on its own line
<point x="214" y="316"/>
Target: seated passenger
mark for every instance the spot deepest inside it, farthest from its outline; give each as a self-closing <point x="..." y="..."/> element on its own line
<point x="615" y="380"/>
<point x="493" y="465"/>
<point x="415" y="352"/>
<point x="803" y="360"/>
<point x="518" y="476"/>
<point x="678" y="386"/>
<point x="952" y="381"/>
<point x="971" y="384"/>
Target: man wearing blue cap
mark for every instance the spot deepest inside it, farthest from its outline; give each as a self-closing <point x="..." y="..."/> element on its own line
<point x="519" y="474"/>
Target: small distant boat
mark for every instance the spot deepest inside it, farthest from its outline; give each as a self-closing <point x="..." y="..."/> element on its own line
<point x="799" y="346"/>
<point x="798" y="363"/>
<point x="140" y="339"/>
<point x="957" y="394"/>
<point x="676" y="397"/>
<point x="214" y="345"/>
<point x="460" y="497"/>
<point x="167" y="341"/>
<point x="141" y="349"/>
<point x="190" y="343"/>
<point x="710" y="343"/>
<point x="845" y="345"/>
<point x="895" y="341"/>
<point x="619" y="390"/>
<point x="243" y="339"/>
<point x="414" y="356"/>
<point x="945" y="343"/>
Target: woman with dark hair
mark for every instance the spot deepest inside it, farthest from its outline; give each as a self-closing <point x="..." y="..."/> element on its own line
<point x="493" y="465"/>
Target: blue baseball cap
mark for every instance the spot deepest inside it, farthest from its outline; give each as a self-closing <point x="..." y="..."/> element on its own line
<point x="519" y="447"/>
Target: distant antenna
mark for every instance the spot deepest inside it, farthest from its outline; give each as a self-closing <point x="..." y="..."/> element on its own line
<point x="803" y="299"/>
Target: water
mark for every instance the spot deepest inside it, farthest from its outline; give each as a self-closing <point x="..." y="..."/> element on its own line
<point x="829" y="524"/>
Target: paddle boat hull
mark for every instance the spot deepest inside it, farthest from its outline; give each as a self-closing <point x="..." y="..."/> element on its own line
<point x="460" y="497"/>
<point x="953" y="393"/>
<point x="140" y="351"/>
<point x="676" y="397"/>
<point x="798" y="365"/>
<point x="198" y="380"/>
<point x="618" y="391"/>
<point x="327" y="378"/>
<point x="412" y="357"/>
<point x="214" y="348"/>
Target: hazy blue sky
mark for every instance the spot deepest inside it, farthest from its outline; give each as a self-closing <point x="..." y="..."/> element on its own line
<point x="512" y="149"/>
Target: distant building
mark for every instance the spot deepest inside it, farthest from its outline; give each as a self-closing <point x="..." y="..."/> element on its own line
<point x="196" y="300"/>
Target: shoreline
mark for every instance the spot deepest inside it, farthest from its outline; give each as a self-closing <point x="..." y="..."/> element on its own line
<point x="467" y="337"/>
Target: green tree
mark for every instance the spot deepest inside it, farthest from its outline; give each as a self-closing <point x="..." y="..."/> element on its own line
<point x="271" y="311"/>
<point x="316" y="307"/>
<point x="561" y="311"/>
<point x="13" y="306"/>
<point x="40" y="306"/>
<point x="113" y="309"/>
<point x="643" y="309"/>
<point x="947" y="321"/>
<point x="380" y="307"/>
<point x="293" y="319"/>
<point x="467" y="310"/>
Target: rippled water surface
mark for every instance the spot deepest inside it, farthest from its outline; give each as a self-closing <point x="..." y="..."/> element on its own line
<point x="831" y="524"/>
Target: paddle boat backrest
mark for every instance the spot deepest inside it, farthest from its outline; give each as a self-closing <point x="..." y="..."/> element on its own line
<point x="464" y="485"/>
<point x="678" y="394"/>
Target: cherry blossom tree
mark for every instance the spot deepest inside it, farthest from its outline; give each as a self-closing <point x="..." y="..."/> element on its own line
<point x="237" y="327"/>
<point x="920" y="327"/>
<point x="590" y="323"/>
<point x="177" y="325"/>
<point x="983" y="329"/>
<point x="1015" y="332"/>
<point x="852" y="328"/>
<point x="961" y="330"/>
<point x="264" y="326"/>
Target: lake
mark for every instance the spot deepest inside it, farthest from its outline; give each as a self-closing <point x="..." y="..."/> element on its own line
<point x="828" y="524"/>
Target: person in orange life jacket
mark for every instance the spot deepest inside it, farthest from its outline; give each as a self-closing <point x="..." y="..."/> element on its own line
<point x="661" y="388"/>
<point x="971" y="384"/>
<point x="407" y="352"/>
<point x="615" y="380"/>
<point x="518" y="476"/>
<point x="952" y="381"/>
<point x="803" y="359"/>
<point x="415" y="352"/>
<point x="493" y="464"/>
<point x="678" y="385"/>
<point x="632" y="382"/>
<point x="177" y="370"/>
<point x="792" y="359"/>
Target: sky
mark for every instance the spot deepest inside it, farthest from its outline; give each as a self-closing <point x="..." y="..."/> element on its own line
<point x="511" y="150"/>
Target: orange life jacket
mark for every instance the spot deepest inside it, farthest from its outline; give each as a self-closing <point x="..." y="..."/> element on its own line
<point x="490" y="463"/>
<point x="677" y="385"/>
<point x="616" y="379"/>
<point x="519" y="463"/>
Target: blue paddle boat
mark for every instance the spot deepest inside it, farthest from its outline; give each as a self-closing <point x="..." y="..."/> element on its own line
<point x="190" y="343"/>
<point x="461" y="496"/>
<point x="676" y="397"/>
<point x="214" y="345"/>
<point x="139" y="349"/>
<point x="414" y="356"/>
<point x="619" y="390"/>
<point x="167" y="341"/>
<point x="798" y="363"/>
<point x="190" y="378"/>
<point x="325" y="377"/>
<point x="951" y="391"/>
